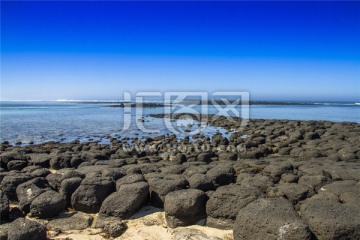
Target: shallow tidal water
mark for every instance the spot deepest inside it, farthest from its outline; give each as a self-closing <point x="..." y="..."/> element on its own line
<point x="39" y="122"/>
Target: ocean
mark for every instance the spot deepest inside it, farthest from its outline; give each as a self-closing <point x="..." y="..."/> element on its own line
<point x="39" y="121"/>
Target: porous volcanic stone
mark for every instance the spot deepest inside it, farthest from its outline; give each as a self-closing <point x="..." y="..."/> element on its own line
<point x="270" y="219"/>
<point x="185" y="207"/>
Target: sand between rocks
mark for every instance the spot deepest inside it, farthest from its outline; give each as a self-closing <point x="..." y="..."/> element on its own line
<point x="149" y="224"/>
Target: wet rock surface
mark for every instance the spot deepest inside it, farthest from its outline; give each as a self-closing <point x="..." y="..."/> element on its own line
<point x="283" y="180"/>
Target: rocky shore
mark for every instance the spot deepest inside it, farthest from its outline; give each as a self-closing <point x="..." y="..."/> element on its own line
<point x="283" y="180"/>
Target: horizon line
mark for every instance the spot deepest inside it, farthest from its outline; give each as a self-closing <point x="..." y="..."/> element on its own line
<point x="122" y="100"/>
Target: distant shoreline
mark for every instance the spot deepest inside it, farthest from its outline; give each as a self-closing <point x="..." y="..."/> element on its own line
<point x="159" y="103"/>
<point x="122" y="104"/>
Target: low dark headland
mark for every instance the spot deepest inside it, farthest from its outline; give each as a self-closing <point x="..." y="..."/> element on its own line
<point x="209" y="102"/>
<point x="285" y="180"/>
<point x="143" y="105"/>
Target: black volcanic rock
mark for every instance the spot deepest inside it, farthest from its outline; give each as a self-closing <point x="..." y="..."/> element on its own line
<point x="68" y="187"/>
<point x="270" y="219"/>
<point x="185" y="207"/>
<point x="92" y="191"/>
<point x="48" y="204"/>
<point x="11" y="182"/>
<point x="221" y="175"/>
<point x="126" y="201"/>
<point x="4" y="206"/>
<point x="28" y="191"/>
<point x="128" y="179"/>
<point x="24" y="229"/>
<point x="331" y="219"/>
<point x="225" y="203"/>
<point x="201" y="181"/>
<point x="160" y="186"/>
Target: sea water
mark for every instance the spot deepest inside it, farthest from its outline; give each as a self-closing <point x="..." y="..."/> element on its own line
<point x="41" y="121"/>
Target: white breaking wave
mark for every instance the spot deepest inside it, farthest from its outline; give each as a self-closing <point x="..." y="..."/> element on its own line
<point x="77" y="100"/>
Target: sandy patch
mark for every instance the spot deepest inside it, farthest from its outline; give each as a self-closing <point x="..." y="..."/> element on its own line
<point x="149" y="224"/>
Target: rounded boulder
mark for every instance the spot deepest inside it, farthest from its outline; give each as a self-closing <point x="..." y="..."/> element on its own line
<point x="48" y="204"/>
<point x="185" y="207"/>
<point x="24" y="229"/>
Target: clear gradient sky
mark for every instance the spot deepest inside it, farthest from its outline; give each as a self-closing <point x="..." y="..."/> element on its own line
<point x="96" y="50"/>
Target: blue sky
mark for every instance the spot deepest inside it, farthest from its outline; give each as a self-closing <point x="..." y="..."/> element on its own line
<point x="96" y="50"/>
